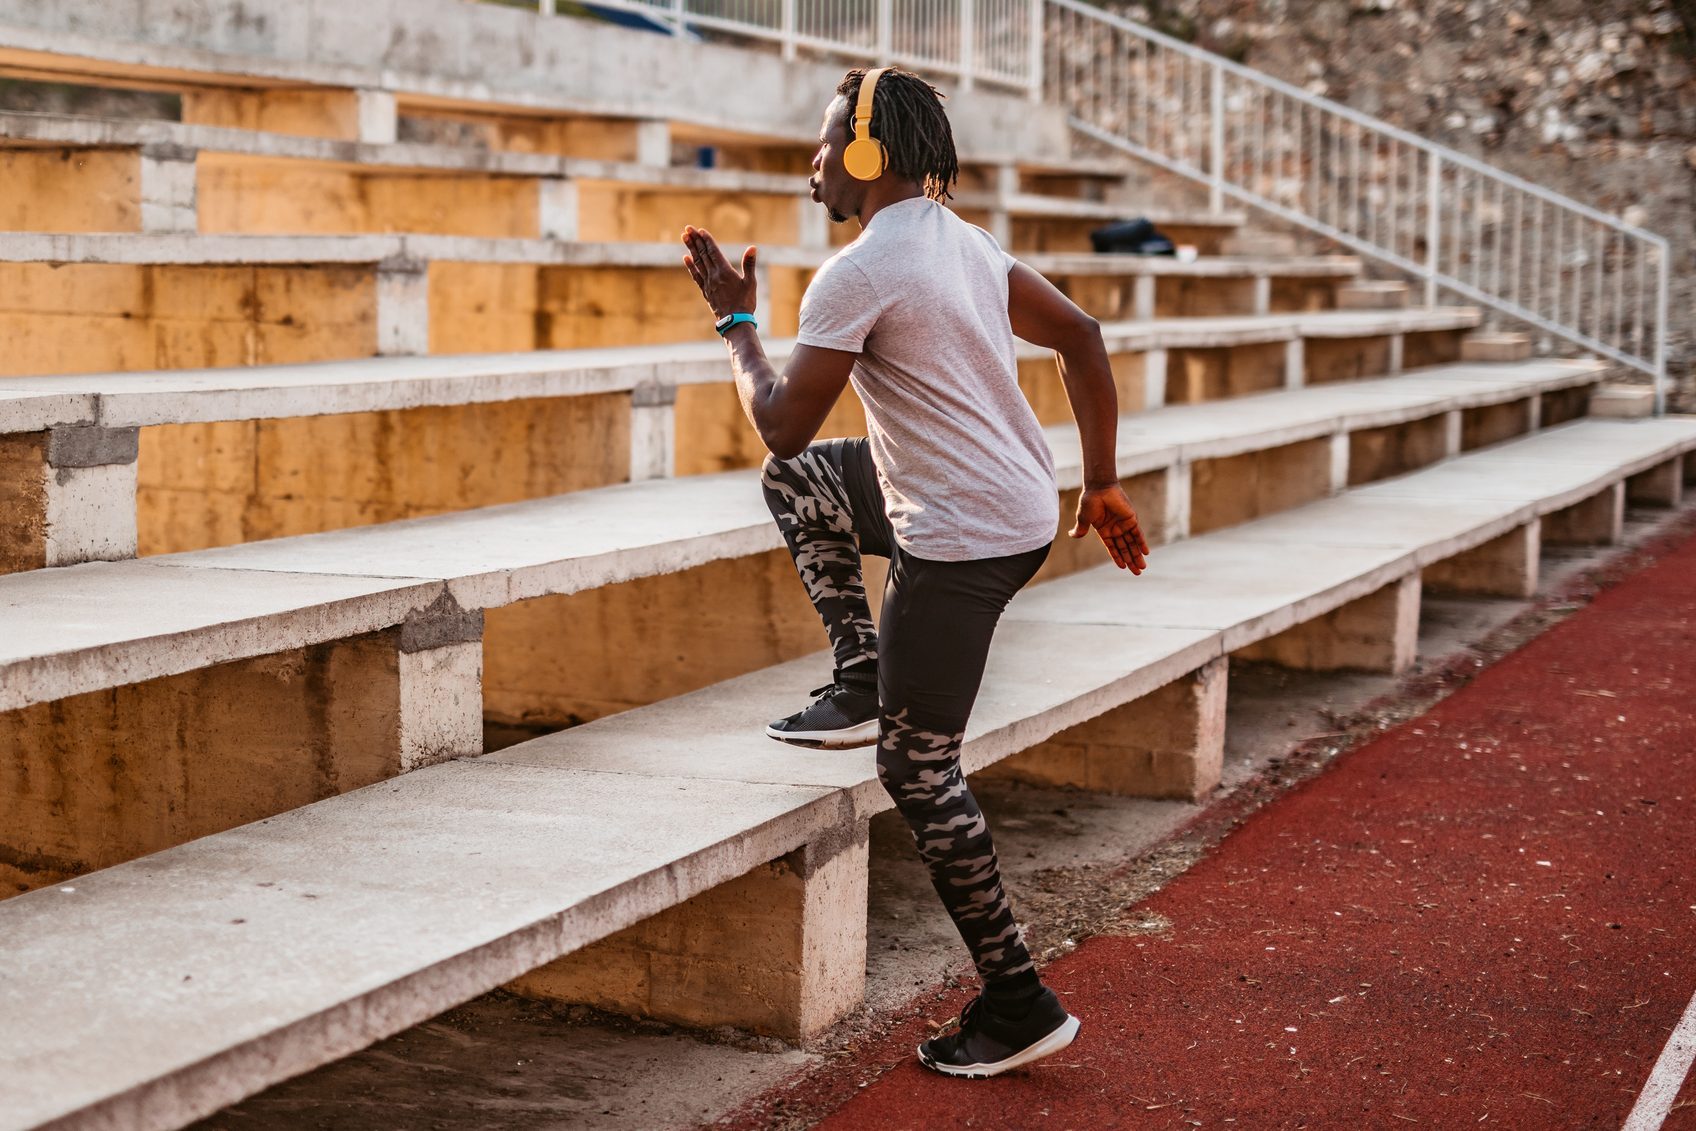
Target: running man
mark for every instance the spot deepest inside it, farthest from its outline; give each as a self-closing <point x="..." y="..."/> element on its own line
<point x="954" y="485"/>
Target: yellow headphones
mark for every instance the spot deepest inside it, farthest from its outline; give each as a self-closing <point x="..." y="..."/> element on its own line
<point x="865" y="157"/>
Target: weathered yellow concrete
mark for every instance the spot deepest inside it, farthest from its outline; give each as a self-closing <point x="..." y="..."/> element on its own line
<point x="1169" y="743"/>
<point x="97" y="779"/>
<point x="1344" y="359"/>
<point x="1377" y="453"/>
<point x="1661" y="485"/>
<point x="70" y="190"/>
<point x="1177" y="296"/>
<point x="315" y="112"/>
<point x="1039" y="379"/>
<point x="1195" y="375"/>
<point x="1596" y="521"/>
<point x="252" y="197"/>
<point x="239" y="481"/>
<point x="1561" y="405"/>
<point x="556" y="661"/>
<point x="1292" y="295"/>
<point x="603" y="139"/>
<point x="83" y="318"/>
<point x="495" y="307"/>
<point x="23" y="501"/>
<point x="1506" y="566"/>
<point x="483" y="307"/>
<point x="713" y="434"/>
<point x="1378" y="632"/>
<point x="1224" y="492"/>
<point x="1436" y="347"/>
<point x="781" y="950"/>
<point x="610" y="211"/>
<point x="1491" y="424"/>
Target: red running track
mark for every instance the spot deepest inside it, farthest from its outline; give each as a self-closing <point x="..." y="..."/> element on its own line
<point x="1484" y="917"/>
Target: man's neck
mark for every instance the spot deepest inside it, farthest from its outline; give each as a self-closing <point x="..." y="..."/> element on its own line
<point x="879" y="197"/>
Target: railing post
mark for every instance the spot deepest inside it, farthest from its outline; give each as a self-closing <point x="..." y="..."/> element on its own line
<point x="968" y="42"/>
<point x="1433" y="227"/>
<point x="1034" y="47"/>
<point x="1216" y="141"/>
<point x="546" y="7"/>
<point x="787" y="18"/>
<point x="1661" y="311"/>
<point x="677" y="14"/>
<point x="885" y="31"/>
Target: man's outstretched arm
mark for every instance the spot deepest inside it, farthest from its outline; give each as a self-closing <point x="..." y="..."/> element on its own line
<point x="1043" y="316"/>
<point x="787" y="409"/>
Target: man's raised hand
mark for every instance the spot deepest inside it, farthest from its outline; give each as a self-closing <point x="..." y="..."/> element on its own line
<point x="1109" y="513"/>
<point x="727" y="290"/>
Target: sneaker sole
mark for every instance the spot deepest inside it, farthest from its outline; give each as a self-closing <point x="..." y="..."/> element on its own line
<point x="1062" y="1036"/>
<point x="861" y="734"/>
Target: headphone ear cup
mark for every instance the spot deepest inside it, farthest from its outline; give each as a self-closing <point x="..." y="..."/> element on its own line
<point x="864" y="159"/>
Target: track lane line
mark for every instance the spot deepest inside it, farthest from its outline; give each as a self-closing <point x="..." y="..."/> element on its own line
<point x="1666" y="1079"/>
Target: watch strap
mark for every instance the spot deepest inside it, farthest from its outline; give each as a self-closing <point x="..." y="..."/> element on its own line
<point x="731" y="321"/>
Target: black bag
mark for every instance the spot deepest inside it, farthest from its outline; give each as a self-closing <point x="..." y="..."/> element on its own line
<point x="1131" y="237"/>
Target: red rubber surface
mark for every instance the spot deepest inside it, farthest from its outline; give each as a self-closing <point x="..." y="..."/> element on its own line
<point x="1485" y="917"/>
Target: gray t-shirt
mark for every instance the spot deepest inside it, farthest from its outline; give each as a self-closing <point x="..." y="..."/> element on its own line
<point x="921" y="296"/>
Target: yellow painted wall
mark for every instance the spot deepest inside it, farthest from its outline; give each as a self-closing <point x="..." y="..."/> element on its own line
<point x="70" y="190"/>
<point x="609" y="211"/>
<point x="23" y="501"/>
<point x="314" y="113"/>
<point x="217" y="484"/>
<point x="82" y="318"/>
<point x="249" y="196"/>
<point x="93" y="780"/>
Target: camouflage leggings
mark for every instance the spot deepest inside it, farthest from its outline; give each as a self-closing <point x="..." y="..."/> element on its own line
<point x="938" y="619"/>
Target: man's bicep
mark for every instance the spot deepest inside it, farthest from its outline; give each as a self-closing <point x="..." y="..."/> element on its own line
<point x="1040" y="314"/>
<point x="812" y="381"/>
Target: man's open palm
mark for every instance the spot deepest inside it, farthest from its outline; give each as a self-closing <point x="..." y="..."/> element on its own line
<point x="1109" y="513"/>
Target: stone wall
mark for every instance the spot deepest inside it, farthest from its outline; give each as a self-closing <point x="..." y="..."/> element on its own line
<point x="1593" y="98"/>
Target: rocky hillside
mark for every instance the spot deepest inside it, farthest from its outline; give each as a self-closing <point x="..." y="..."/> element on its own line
<point x="1593" y="98"/>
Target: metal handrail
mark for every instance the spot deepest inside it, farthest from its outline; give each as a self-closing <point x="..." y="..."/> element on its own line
<point x="1457" y="223"/>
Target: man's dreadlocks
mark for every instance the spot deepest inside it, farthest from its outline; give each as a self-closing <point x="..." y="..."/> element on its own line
<point x="907" y="117"/>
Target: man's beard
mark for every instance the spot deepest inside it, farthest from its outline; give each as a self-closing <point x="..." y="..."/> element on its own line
<point x="835" y="216"/>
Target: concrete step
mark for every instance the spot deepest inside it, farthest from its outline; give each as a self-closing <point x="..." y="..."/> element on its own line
<point x="498" y="555"/>
<point x="153" y="176"/>
<point x="1496" y="347"/>
<point x="1624" y="402"/>
<point x="99" y="302"/>
<point x="1373" y="294"/>
<point x="608" y="416"/>
<point x="132" y="399"/>
<point x="240" y="959"/>
<point x="365" y="653"/>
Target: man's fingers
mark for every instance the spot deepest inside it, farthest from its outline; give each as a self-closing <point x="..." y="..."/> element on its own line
<point x="748" y="261"/>
<point x="714" y="253"/>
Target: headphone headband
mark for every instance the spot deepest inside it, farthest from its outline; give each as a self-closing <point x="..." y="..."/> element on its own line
<point x="865" y="158"/>
<point x="863" y="109"/>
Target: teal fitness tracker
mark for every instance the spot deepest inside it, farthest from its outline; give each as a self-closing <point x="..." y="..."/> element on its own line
<point x="729" y="321"/>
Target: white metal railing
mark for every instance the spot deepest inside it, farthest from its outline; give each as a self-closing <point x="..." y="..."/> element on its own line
<point x="1452" y="221"/>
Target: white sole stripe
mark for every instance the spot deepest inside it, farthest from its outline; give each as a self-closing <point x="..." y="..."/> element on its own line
<point x="1048" y="1046"/>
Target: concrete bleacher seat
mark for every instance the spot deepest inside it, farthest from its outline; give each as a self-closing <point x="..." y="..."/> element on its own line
<point x="138" y="175"/>
<point x="434" y="625"/>
<point x="349" y="919"/>
<point x="631" y="413"/>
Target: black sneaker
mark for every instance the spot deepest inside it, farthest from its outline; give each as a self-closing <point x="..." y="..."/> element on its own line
<point x="841" y="716"/>
<point x="988" y="1044"/>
